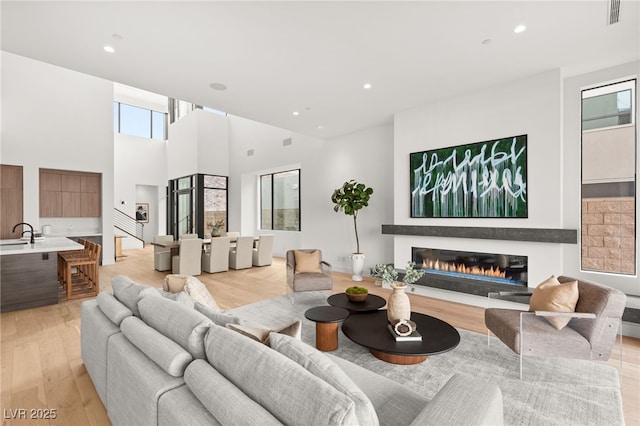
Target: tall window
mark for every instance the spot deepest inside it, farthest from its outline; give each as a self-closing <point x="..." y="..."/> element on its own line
<point x="280" y="201"/>
<point x="136" y="121"/>
<point x="608" y="179"/>
<point x="215" y="203"/>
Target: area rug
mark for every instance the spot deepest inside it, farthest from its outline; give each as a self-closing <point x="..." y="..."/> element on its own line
<point x="553" y="392"/>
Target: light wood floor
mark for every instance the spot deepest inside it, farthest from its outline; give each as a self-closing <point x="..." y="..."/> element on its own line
<point x="42" y="367"/>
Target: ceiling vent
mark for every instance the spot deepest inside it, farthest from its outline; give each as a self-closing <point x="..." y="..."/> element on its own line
<point x="249" y="153"/>
<point x="287" y="142"/>
<point x="613" y="11"/>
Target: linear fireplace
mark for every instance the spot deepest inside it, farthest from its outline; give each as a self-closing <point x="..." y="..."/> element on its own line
<point x="470" y="272"/>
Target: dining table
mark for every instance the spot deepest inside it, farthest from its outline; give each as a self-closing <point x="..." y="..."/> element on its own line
<point x="175" y="245"/>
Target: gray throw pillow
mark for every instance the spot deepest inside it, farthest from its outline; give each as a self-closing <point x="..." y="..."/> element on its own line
<point x="129" y="293"/>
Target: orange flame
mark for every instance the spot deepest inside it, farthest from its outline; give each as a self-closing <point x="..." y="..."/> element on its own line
<point x="453" y="267"/>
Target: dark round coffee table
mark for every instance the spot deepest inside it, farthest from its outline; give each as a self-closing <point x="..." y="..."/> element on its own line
<point x="372" y="303"/>
<point x="326" y="319"/>
<point x="369" y="329"/>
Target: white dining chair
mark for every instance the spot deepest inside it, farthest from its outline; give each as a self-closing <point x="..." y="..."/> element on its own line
<point x="240" y="255"/>
<point x="217" y="258"/>
<point x="188" y="236"/>
<point x="188" y="262"/>
<point x="233" y="235"/>
<point x="162" y="255"/>
<point x="263" y="252"/>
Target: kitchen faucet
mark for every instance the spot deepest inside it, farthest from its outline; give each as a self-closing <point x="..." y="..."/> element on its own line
<point x="32" y="241"/>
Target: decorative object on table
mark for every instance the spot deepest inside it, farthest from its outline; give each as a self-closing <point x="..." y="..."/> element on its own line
<point x="398" y="305"/>
<point x="404" y="331"/>
<point x="217" y="228"/>
<point x="357" y="294"/>
<point x="350" y="198"/>
<point x="448" y="182"/>
<point x="142" y="212"/>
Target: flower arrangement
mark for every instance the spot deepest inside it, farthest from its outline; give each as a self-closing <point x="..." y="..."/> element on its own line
<point x="388" y="274"/>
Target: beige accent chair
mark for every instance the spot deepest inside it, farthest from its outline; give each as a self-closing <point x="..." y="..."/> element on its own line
<point x="308" y="281"/>
<point x="188" y="236"/>
<point x="240" y="255"/>
<point x="591" y="333"/>
<point x="217" y="258"/>
<point x="188" y="262"/>
<point x="263" y="252"/>
<point x="162" y="255"/>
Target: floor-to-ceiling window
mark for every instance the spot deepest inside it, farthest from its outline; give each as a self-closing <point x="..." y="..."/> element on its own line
<point x="196" y="204"/>
<point x="280" y="201"/>
<point x="609" y="152"/>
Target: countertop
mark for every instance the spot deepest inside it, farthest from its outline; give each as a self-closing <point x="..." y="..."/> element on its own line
<point x="49" y="244"/>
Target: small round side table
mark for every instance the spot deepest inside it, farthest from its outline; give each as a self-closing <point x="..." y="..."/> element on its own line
<point x="326" y="319"/>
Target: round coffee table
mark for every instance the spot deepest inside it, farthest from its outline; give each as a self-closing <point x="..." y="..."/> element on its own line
<point x="369" y="329"/>
<point x="326" y="319"/>
<point x="372" y="303"/>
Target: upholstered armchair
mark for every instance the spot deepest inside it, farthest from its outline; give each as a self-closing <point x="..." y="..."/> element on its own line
<point x="240" y="255"/>
<point x="217" y="258"/>
<point x="589" y="334"/>
<point x="306" y="271"/>
<point x="263" y="252"/>
<point x="162" y="255"/>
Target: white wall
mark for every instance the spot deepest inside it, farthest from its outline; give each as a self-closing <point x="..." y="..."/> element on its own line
<point x="59" y="119"/>
<point x="571" y="169"/>
<point x="531" y="106"/>
<point x="324" y="165"/>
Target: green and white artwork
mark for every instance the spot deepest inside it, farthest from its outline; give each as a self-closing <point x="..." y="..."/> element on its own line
<point x="484" y="179"/>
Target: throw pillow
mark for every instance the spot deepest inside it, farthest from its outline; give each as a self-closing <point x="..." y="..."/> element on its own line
<point x="199" y="292"/>
<point x="551" y="295"/>
<point x="324" y="368"/>
<point x="129" y="293"/>
<point x="180" y="297"/>
<point x="174" y="283"/>
<point x="262" y="334"/>
<point x="218" y="317"/>
<point x="307" y="262"/>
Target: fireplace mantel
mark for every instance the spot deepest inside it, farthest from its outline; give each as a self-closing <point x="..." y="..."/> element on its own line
<point x="540" y="235"/>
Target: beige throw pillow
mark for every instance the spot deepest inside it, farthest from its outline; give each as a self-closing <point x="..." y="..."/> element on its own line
<point x="174" y="283"/>
<point x="307" y="262"/>
<point x="553" y="296"/>
<point x="262" y="334"/>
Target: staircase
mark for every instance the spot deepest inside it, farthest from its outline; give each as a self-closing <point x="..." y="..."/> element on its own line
<point x="128" y="225"/>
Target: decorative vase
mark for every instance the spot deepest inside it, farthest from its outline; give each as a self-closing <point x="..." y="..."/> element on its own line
<point x="398" y="305"/>
<point x="357" y="266"/>
<point x="216" y="232"/>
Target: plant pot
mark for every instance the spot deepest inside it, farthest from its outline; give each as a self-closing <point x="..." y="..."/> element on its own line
<point x="357" y="266"/>
<point x="216" y="232"/>
<point x="357" y="297"/>
<point x="398" y="305"/>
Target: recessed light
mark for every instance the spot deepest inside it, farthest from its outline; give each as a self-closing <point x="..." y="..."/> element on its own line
<point x="109" y="49"/>
<point x="519" y="29"/>
<point x="320" y="127"/>
<point x="367" y="86"/>
<point x="116" y="36"/>
<point x="296" y="113"/>
<point x="218" y="86"/>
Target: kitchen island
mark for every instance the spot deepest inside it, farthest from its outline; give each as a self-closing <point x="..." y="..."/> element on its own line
<point x="28" y="272"/>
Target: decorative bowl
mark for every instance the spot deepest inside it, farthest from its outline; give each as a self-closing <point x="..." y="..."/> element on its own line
<point x="357" y="297"/>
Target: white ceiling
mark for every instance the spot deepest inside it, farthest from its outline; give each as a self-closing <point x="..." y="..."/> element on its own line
<point x="314" y="57"/>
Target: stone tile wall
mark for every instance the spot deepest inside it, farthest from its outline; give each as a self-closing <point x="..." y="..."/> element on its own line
<point x="608" y="235"/>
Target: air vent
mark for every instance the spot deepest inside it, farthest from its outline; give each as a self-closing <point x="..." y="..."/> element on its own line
<point x="613" y="11"/>
<point x="249" y="153"/>
<point x="287" y="142"/>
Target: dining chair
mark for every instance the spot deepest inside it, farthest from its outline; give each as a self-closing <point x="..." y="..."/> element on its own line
<point x="233" y="235"/>
<point x="188" y="236"/>
<point x="217" y="258"/>
<point x="263" y="252"/>
<point x="240" y="256"/>
<point x="188" y="262"/>
<point x="162" y="255"/>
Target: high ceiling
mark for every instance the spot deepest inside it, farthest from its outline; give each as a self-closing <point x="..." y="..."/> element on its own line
<point x="277" y="58"/>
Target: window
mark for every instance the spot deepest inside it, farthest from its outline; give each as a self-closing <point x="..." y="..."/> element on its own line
<point x="215" y="203"/>
<point x="136" y="121"/>
<point x="280" y="201"/>
<point x="608" y="189"/>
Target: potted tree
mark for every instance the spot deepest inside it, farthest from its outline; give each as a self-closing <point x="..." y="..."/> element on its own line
<point x="350" y="198"/>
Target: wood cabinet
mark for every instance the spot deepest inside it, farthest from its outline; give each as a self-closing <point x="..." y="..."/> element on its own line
<point x="70" y="194"/>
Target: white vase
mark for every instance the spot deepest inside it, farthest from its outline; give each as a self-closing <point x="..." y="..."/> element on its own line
<point x="398" y="305"/>
<point x="357" y="266"/>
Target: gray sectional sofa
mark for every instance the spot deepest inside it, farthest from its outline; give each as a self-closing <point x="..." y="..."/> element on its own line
<point x="156" y="361"/>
